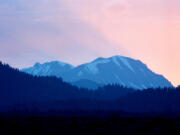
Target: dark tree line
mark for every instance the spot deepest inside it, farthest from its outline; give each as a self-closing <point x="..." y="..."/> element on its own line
<point x="22" y="91"/>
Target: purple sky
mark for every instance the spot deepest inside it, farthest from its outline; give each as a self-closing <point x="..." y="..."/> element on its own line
<point x="78" y="31"/>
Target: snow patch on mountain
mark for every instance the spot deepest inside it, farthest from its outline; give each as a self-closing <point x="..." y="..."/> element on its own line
<point x="92" y="67"/>
<point x="54" y="68"/>
<point x="115" y="60"/>
<point x="126" y="63"/>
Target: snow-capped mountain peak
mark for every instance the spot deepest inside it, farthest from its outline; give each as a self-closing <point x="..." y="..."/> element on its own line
<point x="113" y="70"/>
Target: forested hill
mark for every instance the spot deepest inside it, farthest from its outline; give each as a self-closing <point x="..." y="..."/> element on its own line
<point x="21" y="91"/>
<point x="20" y="88"/>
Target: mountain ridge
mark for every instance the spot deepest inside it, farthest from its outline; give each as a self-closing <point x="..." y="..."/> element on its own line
<point x="117" y="69"/>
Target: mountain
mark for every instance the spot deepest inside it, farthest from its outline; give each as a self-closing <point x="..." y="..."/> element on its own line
<point x="21" y="90"/>
<point x="54" y="68"/>
<point x="114" y="70"/>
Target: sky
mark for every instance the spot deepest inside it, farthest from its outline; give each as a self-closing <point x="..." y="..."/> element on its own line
<point x="78" y="31"/>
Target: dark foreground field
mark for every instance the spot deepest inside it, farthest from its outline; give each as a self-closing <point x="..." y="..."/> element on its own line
<point x="89" y="125"/>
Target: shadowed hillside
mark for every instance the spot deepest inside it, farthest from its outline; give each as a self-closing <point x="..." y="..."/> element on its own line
<point x="32" y="105"/>
<point x="22" y="91"/>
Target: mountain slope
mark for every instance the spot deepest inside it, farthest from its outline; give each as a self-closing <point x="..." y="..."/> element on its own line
<point x="54" y="68"/>
<point x="118" y="70"/>
<point x="18" y="89"/>
<point x="21" y="92"/>
<point x="86" y="84"/>
<point x="114" y="70"/>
